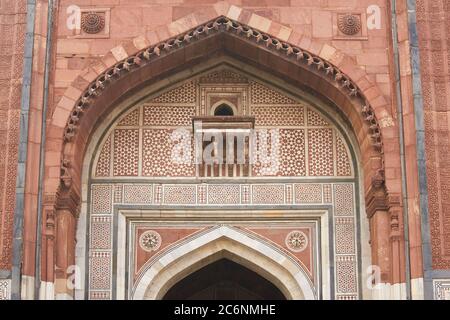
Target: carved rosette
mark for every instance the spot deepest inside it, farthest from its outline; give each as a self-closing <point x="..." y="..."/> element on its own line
<point x="150" y="241"/>
<point x="92" y="22"/>
<point x="349" y="24"/>
<point x="296" y="241"/>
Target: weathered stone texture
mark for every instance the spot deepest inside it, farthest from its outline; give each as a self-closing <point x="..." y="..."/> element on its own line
<point x="433" y="19"/>
<point x="12" y="39"/>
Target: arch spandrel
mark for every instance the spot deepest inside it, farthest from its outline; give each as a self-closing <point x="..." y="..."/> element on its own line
<point x="213" y="244"/>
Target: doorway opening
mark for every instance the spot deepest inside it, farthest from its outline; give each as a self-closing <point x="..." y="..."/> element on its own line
<point x="224" y="280"/>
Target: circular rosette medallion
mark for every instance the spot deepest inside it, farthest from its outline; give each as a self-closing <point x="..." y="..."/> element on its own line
<point x="92" y="22"/>
<point x="349" y="24"/>
<point x="150" y="240"/>
<point x="296" y="241"/>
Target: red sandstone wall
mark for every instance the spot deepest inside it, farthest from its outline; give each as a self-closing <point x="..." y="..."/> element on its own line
<point x="133" y="18"/>
<point x="12" y="36"/>
<point x="433" y="19"/>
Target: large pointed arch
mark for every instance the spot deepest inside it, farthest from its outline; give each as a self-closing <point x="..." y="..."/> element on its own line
<point x="220" y="36"/>
<point x="160" y="274"/>
<point x="319" y="68"/>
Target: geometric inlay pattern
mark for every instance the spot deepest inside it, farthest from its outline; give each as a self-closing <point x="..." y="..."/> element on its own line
<point x="308" y="193"/>
<point x="263" y="95"/>
<point x="126" y="152"/>
<point x="155" y="115"/>
<point x="278" y="116"/>
<point x="218" y="196"/>
<point x="292" y="157"/>
<point x="180" y="194"/>
<point x="223" y="76"/>
<point x="297" y="141"/>
<point x="343" y="197"/>
<point x="315" y="120"/>
<point x="132" y="119"/>
<point x="346" y="274"/>
<point x="320" y="152"/>
<point x="100" y="270"/>
<point x="104" y="160"/>
<point x="157" y="155"/>
<point x="5" y="289"/>
<point x="345" y="237"/>
<point x="343" y="166"/>
<point x="145" y="149"/>
<point x="101" y="199"/>
<point x="223" y="194"/>
<point x="137" y="193"/>
<point x="268" y="194"/>
<point x="185" y="93"/>
<point x="441" y="289"/>
<point x="101" y="232"/>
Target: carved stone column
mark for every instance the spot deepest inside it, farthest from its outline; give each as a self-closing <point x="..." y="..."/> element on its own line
<point x="377" y="212"/>
<point x="397" y="239"/>
<point x="67" y="209"/>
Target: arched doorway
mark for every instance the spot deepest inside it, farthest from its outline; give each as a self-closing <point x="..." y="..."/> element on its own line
<point x="224" y="280"/>
<point x="305" y="202"/>
<point x="216" y="243"/>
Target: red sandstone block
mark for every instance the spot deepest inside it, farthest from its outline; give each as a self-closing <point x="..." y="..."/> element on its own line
<point x="73" y="93"/>
<point x="163" y="33"/>
<point x="179" y="12"/>
<point x="98" y="67"/>
<point x="34" y="126"/>
<point x="109" y="60"/>
<point x="356" y="73"/>
<point x="274" y="29"/>
<point x="371" y="93"/>
<point x="294" y="38"/>
<point x="409" y="124"/>
<point x="119" y="53"/>
<point x="89" y="75"/>
<point x="315" y="47"/>
<point x="64" y="75"/>
<point x="327" y="52"/>
<point x="385" y="89"/>
<point x="130" y="48"/>
<point x="322" y="24"/>
<point x="349" y="47"/>
<point x="62" y="63"/>
<point x="123" y="17"/>
<point x="245" y="15"/>
<point x="372" y="58"/>
<point x="159" y="15"/>
<point x="221" y="8"/>
<point x="295" y="16"/>
<point x="364" y="83"/>
<point x="379" y="101"/>
<point x="60" y="117"/>
<point x="152" y="37"/>
<point x="259" y="22"/>
<point x="182" y="25"/>
<point x="100" y="47"/>
<point x="205" y="14"/>
<point x="337" y="58"/>
<point x="51" y="185"/>
<point x="72" y="46"/>
<point x="305" y="43"/>
<point x="54" y="134"/>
